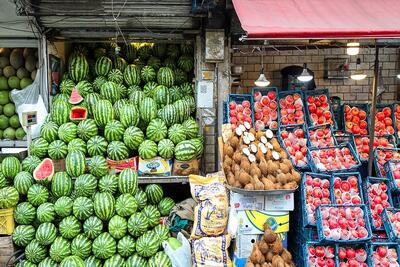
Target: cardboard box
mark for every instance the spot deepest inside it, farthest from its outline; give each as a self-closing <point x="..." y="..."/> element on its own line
<point x="116" y="166"/>
<point x="251" y="222"/>
<point x="246" y="202"/>
<point x="279" y="202"/>
<point x="185" y="168"/>
<point x="155" y="166"/>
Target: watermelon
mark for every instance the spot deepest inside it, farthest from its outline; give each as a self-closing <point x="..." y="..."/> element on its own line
<point x="180" y="76"/>
<point x="160" y="259"/>
<point x="177" y="133"/>
<point x="84" y="88"/>
<point x="149" y="89"/>
<point x="82" y="208"/>
<point x="87" y="129"/>
<point x="154" y="193"/>
<point x="168" y="114"/>
<point x="136" y="97"/>
<point x="81" y="246"/>
<point x="165" y="206"/>
<point x="37" y="195"/>
<point x="170" y="63"/>
<point x="45" y="213"/>
<point x="185" y="151"/>
<point x="91" y="100"/>
<point x="78" y="113"/>
<point x="66" y="86"/>
<point x="166" y="148"/>
<point x="108" y="183"/>
<point x="126" y="246"/>
<point x="25" y="263"/>
<point x="129" y="52"/>
<point x="186" y="48"/>
<point x="117" y="226"/>
<point x="148" y="109"/>
<point x="152" y="215"/>
<point x="98" y="166"/>
<point x="44" y="171"/>
<point x="72" y="261"/>
<point x="133" y="137"/>
<point x="69" y="227"/>
<point x="78" y="68"/>
<point x="103" y="66"/>
<point x="67" y="132"/>
<point x="160" y="50"/>
<point x="49" y="131"/>
<point x="156" y="130"/>
<point x="22" y="181"/>
<point x="161" y="96"/>
<point x="57" y="150"/>
<point x="187" y="89"/>
<point x="47" y="262"/>
<point x="97" y="83"/>
<point x="9" y="197"/>
<point x="103" y="112"/>
<point x="10" y="167"/>
<point x="134" y="88"/>
<point x="24" y="213"/>
<point x="135" y="261"/>
<point x="61" y="97"/>
<point x="60" y="249"/>
<point x="23" y="235"/>
<point x="30" y="163"/>
<point x="141" y="199"/>
<point x="183" y="109"/>
<point x="75" y="97"/>
<point x="191" y="102"/>
<point x="116" y="76"/>
<point x="117" y="107"/>
<point x="92" y="261"/>
<point x="198" y="143"/>
<point x="129" y="115"/>
<point x="147" y="244"/>
<point x="165" y="76"/>
<point x="104" y="205"/>
<point x="61" y="184"/>
<point x="117" y="150"/>
<point x="114" y="131"/>
<point x="35" y="252"/>
<point x="63" y="206"/>
<point x="154" y="62"/>
<point x="92" y="227"/>
<point x="75" y="163"/>
<point x="144" y="51"/>
<point x="132" y="75"/>
<point x="173" y="51"/>
<point x="147" y="149"/>
<point x="104" y="246"/>
<point x="120" y="63"/>
<point x="96" y="145"/>
<point x="175" y="93"/>
<point x="46" y="233"/>
<point x="85" y="185"/>
<point x="3" y="180"/>
<point x="77" y="144"/>
<point x="186" y="63"/>
<point x="60" y="112"/>
<point x="125" y="205"/>
<point x="110" y="92"/>
<point x="38" y="147"/>
<point x="128" y="181"/>
<point x="115" y="261"/>
<point x="137" y="224"/>
<point x="148" y="74"/>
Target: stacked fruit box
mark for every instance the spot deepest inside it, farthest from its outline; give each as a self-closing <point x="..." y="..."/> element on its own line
<point x="318" y="107"/>
<point x="266" y="108"/>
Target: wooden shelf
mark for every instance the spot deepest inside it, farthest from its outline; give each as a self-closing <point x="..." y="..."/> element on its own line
<point x="163" y="179"/>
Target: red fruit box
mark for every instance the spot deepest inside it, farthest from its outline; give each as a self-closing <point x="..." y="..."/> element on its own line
<point x="343" y="137"/>
<point x="383" y="254"/>
<point x="346" y="188"/>
<point x="291" y="108"/>
<point x="321" y="136"/>
<point x="240" y="109"/>
<point x="396" y="119"/>
<point x="362" y="144"/>
<point x="294" y="140"/>
<point x="343" y="223"/>
<point x="391" y="221"/>
<point x="355" y="118"/>
<point x="384" y="120"/>
<point x="318" y="107"/>
<point x="392" y="172"/>
<point x="352" y="255"/>
<point x="318" y="254"/>
<point x="381" y="156"/>
<point x="265" y="108"/>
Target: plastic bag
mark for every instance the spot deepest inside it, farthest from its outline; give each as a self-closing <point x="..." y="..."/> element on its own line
<point x="180" y="257"/>
<point x="29" y="99"/>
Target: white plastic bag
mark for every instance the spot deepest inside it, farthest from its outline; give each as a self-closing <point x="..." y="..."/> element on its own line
<point x="29" y="99"/>
<point x="180" y="257"/>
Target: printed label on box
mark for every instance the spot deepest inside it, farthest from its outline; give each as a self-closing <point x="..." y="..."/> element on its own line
<point x="155" y="166"/>
<point x="116" y="166"/>
<point x="244" y="202"/>
<point x="279" y="202"/>
<point x="252" y="221"/>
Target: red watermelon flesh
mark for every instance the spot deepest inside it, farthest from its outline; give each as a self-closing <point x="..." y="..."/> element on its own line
<point x="78" y="114"/>
<point x="44" y="171"/>
<point x="75" y="97"/>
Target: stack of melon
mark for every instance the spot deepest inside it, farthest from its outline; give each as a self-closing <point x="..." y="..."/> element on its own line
<point x="17" y="71"/>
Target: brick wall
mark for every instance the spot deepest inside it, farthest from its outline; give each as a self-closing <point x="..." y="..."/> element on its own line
<point x="347" y="90"/>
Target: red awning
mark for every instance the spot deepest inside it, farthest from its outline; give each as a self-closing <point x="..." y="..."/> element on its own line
<point x="319" y="19"/>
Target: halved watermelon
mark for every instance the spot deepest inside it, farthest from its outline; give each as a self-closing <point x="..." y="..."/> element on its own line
<point x="75" y="97"/>
<point x="44" y="171"/>
<point x="78" y="114"/>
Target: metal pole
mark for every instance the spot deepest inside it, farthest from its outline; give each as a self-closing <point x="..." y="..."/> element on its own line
<point x="373" y="111"/>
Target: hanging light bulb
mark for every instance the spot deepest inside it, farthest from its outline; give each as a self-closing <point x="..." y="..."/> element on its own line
<point x="358" y="74"/>
<point x="398" y="76"/>
<point x="353" y="49"/>
<point x="305" y="76"/>
<point x="262" y="80"/>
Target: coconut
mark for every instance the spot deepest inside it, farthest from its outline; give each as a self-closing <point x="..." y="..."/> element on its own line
<point x="30" y="63"/>
<point x="4" y="61"/>
<point x="16" y="58"/>
<point x="9" y="71"/>
<point x="22" y="73"/>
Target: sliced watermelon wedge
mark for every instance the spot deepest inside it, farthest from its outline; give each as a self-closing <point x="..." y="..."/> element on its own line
<point x="44" y="171"/>
<point x="78" y="114"/>
<point x="75" y="97"/>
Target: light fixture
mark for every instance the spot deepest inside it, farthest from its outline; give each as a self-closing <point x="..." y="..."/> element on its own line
<point x="305" y="76"/>
<point x="353" y="48"/>
<point x="398" y="76"/>
<point x="358" y="74"/>
<point x="262" y="80"/>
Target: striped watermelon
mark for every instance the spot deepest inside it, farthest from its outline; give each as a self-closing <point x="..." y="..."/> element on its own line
<point x="160" y="259"/>
<point x="168" y="114"/>
<point x="63" y="206"/>
<point x="77" y="144"/>
<point x="24" y="213"/>
<point x="154" y="193"/>
<point x="129" y="52"/>
<point x="30" y="163"/>
<point x="47" y="262"/>
<point x="22" y="181"/>
<point x="148" y="74"/>
<point x="154" y="62"/>
<point x="67" y="132"/>
<point x="61" y="184"/>
<point x="82" y="208"/>
<point x="87" y="129"/>
<point x="72" y="261"/>
<point x="92" y="261"/>
<point x="78" y="68"/>
<point x="66" y="86"/>
<point x="126" y="246"/>
<point x="180" y="77"/>
<point x="185" y="151"/>
<point x="149" y="89"/>
<point x="173" y="51"/>
<point x="198" y="143"/>
<point x="114" y="131"/>
<point x="120" y="63"/>
<point x="46" y="233"/>
<point x="104" y="246"/>
<point x="108" y="183"/>
<point x="37" y="195"/>
<point x="98" y="166"/>
<point x="132" y="75"/>
<point x="148" y="109"/>
<point x="177" y="133"/>
<point x="129" y="115"/>
<point x="170" y="63"/>
<point x="165" y="76"/>
<point x="115" y="261"/>
<point x="45" y="213"/>
<point x="110" y="92"/>
<point x="183" y="109"/>
<point x="35" y="252"/>
<point x="60" y="112"/>
<point x="134" y="88"/>
<point x="3" y="180"/>
<point x="186" y="48"/>
<point x="160" y="50"/>
<point x="144" y="51"/>
<point x="96" y="145"/>
<point x="103" y="112"/>
<point x="49" y="131"/>
<point x="191" y="128"/>
<point x="137" y="224"/>
<point x="186" y="63"/>
<point x="75" y="163"/>
<point x="97" y="83"/>
<point x="23" y="235"/>
<point x="117" y="107"/>
<point x="116" y="76"/>
<point x="191" y="102"/>
<point x="161" y="96"/>
<point x="92" y="227"/>
<point x="84" y="88"/>
<point x="187" y="89"/>
<point x="127" y="182"/>
<point x="60" y="249"/>
<point x="125" y="205"/>
<point x="38" y="148"/>
<point x="8" y="197"/>
<point x="85" y="185"/>
<point x="152" y="215"/>
<point x="103" y="66"/>
<point x="135" y="261"/>
<point x="104" y="205"/>
<point x="61" y="97"/>
<point x="165" y="206"/>
<point x="117" y="226"/>
<point x="10" y="166"/>
<point x="81" y="246"/>
<point x="166" y="148"/>
<point x="136" y="97"/>
<point x="69" y="227"/>
<point x="156" y="130"/>
<point x="57" y="150"/>
<point x="141" y="199"/>
<point x="147" y="149"/>
<point x="147" y="244"/>
<point x="117" y="150"/>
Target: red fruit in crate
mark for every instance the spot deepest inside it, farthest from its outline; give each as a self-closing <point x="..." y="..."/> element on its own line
<point x="321" y="262"/>
<point x="274" y="114"/>
<point x="321" y="120"/>
<point x="345" y="186"/>
<point x="299" y="133"/>
<point x="355" y="120"/>
<point x="388" y="121"/>
<point x="327" y="114"/>
<point x="353" y="181"/>
<point x="265" y="101"/>
<point x="314" y="117"/>
<point x="355" y="111"/>
<point x="317" y="103"/>
<point x="247" y="111"/>
<point x="311" y="250"/>
<point x="271" y="95"/>
<point x="273" y="105"/>
<point x="346" y="109"/>
<point x="362" y="232"/>
<point x="239" y="108"/>
<point x="233" y="120"/>
<point x="284" y="134"/>
<point x="257" y="96"/>
<point x="355" y="129"/>
<point x="319" y="251"/>
<point x="342" y="253"/>
<point x="289" y="99"/>
<point x="296" y="97"/>
<point x="323" y="98"/>
<point x="380" y="116"/>
<point x="363" y="125"/>
<point x="312" y="108"/>
<point x="274" y="125"/>
<point x="353" y="263"/>
<point x="248" y="119"/>
<point x="350" y="253"/>
<point x="310" y="99"/>
<point x="382" y="251"/>
<point x="246" y="104"/>
<point x="232" y="105"/>
<point x="258" y="106"/>
<point x="240" y="116"/>
<point x="266" y="111"/>
<point x="232" y="113"/>
<point x="258" y="115"/>
<point x="284" y="121"/>
<point x="363" y="131"/>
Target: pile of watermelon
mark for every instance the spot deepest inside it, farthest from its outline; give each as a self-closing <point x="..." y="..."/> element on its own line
<point x="139" y="102"/>
<point x="83" y="218"/>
